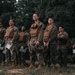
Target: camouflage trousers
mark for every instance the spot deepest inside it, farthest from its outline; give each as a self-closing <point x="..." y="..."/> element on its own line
<point x="62" y="52"/>
<point x="12" y="54"/>
<point x="23" y="50"/>
<point x="16" y="56"/>
<point x="34" y="53"/>
<point x="7" y="54"/>
<point x="50" y="56"/>
<point x="2" y="56"/>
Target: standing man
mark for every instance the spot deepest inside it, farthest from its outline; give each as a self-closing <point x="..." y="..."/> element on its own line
<point x="23" y="39"/>
<point x="9" y="35"/>
<point x="36" y="39"/>
<point x="49" y="39"/>
<point x="62" y="37"/>
<point x="2" y="33"/>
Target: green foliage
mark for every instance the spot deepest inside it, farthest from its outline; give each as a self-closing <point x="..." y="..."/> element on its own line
<point x="61" y="10"/>
<point x="6" y="6"/>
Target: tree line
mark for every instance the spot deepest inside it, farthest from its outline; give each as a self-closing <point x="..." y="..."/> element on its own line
<point x="62" y="11"/>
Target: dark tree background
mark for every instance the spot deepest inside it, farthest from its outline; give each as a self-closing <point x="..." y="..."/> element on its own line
<point x="63" y="12"/>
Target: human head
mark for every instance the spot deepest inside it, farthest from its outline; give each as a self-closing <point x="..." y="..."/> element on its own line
<point x="61" y="28"/>
<point x="11" y="22"/>
<point x="35" y="16"/>
<point x="50" y="21"/>
<point x="23" y="28"/>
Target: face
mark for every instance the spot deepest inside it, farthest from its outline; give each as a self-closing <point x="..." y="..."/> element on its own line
<point x="23" y="28"/>
<point x="11" y="22"/>
<point x="35" y="17"/>
<point x="50" y="21"/>
<point x="61" y="29"/>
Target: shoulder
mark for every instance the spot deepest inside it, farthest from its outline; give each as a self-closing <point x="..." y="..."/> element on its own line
<point x="32" y="25"/>
<point x="54" y="27"/>
<point x="15" y="28"/>
<point x="26" y="33"/>
<point x="3" y="29"/>
<point x="41" y="25"/>
<point x="66" y="33"/>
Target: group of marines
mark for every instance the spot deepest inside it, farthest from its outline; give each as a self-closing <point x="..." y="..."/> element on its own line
<point x="46" y="44"/>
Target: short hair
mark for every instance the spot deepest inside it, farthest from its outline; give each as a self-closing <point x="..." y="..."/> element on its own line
<point x="36" y="13"/>
<point x="12" y="20"/>
<point x="61" y="26"/>
<point x="51" y="18"/>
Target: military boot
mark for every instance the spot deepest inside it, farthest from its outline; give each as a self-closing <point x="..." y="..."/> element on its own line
<point x="3" y="63"/>
<point x="57" y="65"/>
<point x="31" y="65"/>
<point x="39" y="66"/>
<point x="12" y="63"/>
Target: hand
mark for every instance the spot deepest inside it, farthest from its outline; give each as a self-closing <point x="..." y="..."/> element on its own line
<point x="59" y="34"/>
<point x="37" y="43"/>
<point x="45" y="44"/>
<point x="27" y="43"/>
<point x="11" y="41"/>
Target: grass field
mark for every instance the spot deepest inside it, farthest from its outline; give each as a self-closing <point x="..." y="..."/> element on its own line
<point x="9" y="70"/>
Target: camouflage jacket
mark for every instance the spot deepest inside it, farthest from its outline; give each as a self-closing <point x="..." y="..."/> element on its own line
<point x="41" y="27"/>
<point x="62" y="40"/>
<point x="2" y="33"/>
<point x="53" y="36"/>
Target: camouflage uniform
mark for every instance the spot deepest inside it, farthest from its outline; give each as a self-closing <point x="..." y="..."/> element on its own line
<point x="9" y="51"/>
<point x="35" y="51"/>
<point x="62" y="48"/>
<point x="2" y="43"/>
<point x="23" y="45"/>
<point x="51" y="51"/>
<point x="16" y="54"/>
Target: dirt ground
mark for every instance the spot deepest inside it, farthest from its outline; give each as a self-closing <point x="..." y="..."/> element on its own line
<point x="9" y="70"/>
